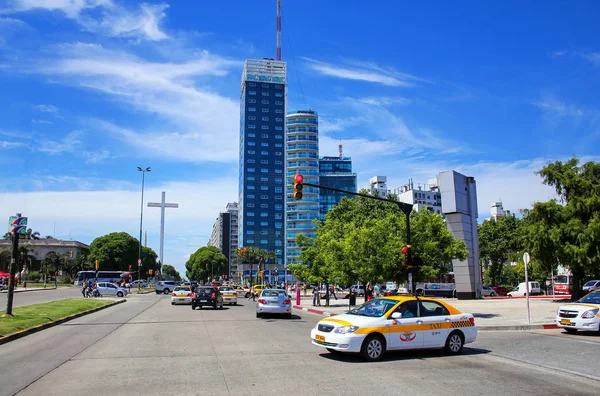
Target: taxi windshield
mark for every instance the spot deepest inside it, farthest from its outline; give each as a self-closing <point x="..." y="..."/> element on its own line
<point x="374" y="308"/>
<point x="182" y="288"/>
<point x="592" y="298"/>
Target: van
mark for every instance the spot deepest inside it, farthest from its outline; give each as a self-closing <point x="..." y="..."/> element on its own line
<point x="521" y="290"/>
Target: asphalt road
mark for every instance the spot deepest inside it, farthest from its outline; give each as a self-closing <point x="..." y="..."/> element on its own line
<point x="40" y="296"/>
<point x="148" y="347"/>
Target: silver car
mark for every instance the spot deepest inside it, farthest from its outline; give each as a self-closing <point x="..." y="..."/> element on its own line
<point x="274" y="301"/>
<point x="109" y="289"/>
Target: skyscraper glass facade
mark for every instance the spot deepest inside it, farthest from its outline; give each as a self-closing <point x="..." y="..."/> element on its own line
<point x="335" y="172"/>
<point x="302" y="157"/>
<point x="262" y="156"/>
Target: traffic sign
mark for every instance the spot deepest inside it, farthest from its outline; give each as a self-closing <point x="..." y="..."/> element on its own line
<point x="17" y="224"/>
<point x="140" y="262"/>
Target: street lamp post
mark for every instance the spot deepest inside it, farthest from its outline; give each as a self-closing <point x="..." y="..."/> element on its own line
<point x="141" y="223"/>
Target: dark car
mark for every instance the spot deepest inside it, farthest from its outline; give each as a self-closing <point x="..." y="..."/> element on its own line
<point x="207" y="296"/>
<point x="501" y="290"/>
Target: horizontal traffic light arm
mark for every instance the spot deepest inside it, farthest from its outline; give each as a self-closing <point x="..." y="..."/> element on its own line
<point x="404" y="207"/>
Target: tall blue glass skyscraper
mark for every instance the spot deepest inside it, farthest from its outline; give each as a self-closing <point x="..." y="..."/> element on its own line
<point x="302" y="149"/>
<point x="262" y="156"/>
<point x="335" y="172"/>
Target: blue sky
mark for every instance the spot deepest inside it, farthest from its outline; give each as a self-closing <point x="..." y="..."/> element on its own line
<point x="91" y="89"/>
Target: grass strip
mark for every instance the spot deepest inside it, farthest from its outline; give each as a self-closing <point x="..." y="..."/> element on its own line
<point x="38" y="314"/>
<point x="41" y="284"/>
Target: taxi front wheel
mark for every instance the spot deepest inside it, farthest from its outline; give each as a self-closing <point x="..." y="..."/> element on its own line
<point x="454" y="343"/>
<point x="373" y="348"/>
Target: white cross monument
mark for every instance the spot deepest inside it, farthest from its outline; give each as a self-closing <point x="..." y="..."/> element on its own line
<point x="162" y="205"/>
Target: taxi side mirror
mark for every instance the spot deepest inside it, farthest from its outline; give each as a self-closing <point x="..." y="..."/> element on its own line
<point x="396" y="315"/>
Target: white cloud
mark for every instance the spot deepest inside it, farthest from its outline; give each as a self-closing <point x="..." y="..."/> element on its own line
<point x="556" y="107"/>
<point x="46" y="108"/>
<point x="34" y="121"/>
<point x="9" y="145"/>
<point x="114" y="20"/>
<point x="364" y="71"/>
<point x="85" y="215"/>
<point x="68" y="144"/>
<point x="593" y="57"/>
<point x="198" y="120"/>
<point x="94" y="157"/>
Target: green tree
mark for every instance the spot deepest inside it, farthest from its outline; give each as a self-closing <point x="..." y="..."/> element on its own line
<point x="206" y="262"/>
<point x="568" y="232"/>
<point x="170" y="271"/>
<point x="119" y="250"/>
<point x="497" y="240"/>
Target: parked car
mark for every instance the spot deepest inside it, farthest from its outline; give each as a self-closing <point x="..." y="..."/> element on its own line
<point x="135" y="283"/>
<point x="166" y="286"/>
<point x="580" y="315"/>
<point x="109" y="289"/>
<point x="181" y="295"/>
<point x="501" y="290"/>
<point x="435" y="289"/>
<point x="274" y="301"/>
<point x="521" y="290"/>
<point x="487" y="291"/>
<point x="409" y="323"/>
<point x="207" y="296"/>
<point x="590" y="286"/>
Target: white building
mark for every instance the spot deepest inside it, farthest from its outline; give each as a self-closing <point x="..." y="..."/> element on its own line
<point x="498" y="211"/>
<point x="423" y="195"/>
<point x="378" y="184"/>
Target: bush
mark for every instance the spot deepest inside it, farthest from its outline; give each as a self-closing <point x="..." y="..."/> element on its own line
<point x="33" y="276"/>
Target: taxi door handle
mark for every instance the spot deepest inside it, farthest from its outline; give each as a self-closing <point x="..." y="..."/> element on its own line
<point x="419" y="322"/>
<point x="448" y="320"/>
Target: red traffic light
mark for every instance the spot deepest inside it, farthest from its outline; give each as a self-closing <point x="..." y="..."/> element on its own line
<point x="404" y="250"/>
<point x="298" y="178"/>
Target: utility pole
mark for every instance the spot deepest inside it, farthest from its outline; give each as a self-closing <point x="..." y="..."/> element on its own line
<point x="17" y="224"/>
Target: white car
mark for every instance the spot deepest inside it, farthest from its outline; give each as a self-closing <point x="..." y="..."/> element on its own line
<point x="583" y="314"/>
<point x="135" y="283"/>
<point x="229" y="295"/>
<point x="394" y="323"/>
<point x="109" y="289"/>
<point x="181" y="295"/>
<point x="521" y="290"/>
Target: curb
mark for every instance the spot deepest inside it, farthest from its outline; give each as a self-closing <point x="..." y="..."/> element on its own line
<point x="143" y="292"/>
<point x="546" y="326"/>
<point x="31" y="330"/>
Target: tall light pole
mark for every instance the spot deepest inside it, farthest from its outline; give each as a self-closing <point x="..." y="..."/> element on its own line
<point x="141" y="222"/>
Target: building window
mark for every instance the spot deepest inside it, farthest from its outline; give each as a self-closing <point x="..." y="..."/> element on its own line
<point x="251" y="126"/>
<point x="264" y="223"/>
<point x="251" y="92"/>
<point x="265" y="85"/>
<point x="278" y="225"/>
<point x="250" y="205"/>
<point x="264" y="101"/>
<point x="279" y="111"/>
<point x="251" y="108"/>
<point x="265" y="127"/>
<point x="250" y="214"/>
<point x="264" y="144"/>
<point x="251" y="135"/>
<point x="250" y="178"/>
<point x="278" y="197"/>
<point x="278" y="94"/>
<point x="278" y="128"/>
<point x="264" y="135"/>
<point x="265" y="118"/>
<point x="250" y="187"/>
<point x="278" y="243"/>
<point x="278" y="171"/>
<point x="277" y="86"/>
<point x="278" y="137"/>
<point x="252" y="84"/>
<point x="264" y="179"/>
<point x="251" y="170"/>
<point x="278" y="102"/>
<point x="277" y="152"/>
<point x="278" y="216"/>
<point x="264" y="162"/>
<point x="265" y="110"/>
<point x="250" y="196"/>
<point x="278" y="145"/>
<point x="278" y="189"/>
<point x="278" y="206"/>
<point x="278" y="119"/>
<point x="264" y="93"/>
<point x="264" y="197"/>
<point x="252" y="152"/>
<point x="249" y="223"/>
<point x="264" y="206"/>
<point x="250" y="161"/>
<point x="264" y="241"/>
<point x="264" y="233"/>
<point x="278" y="180"/>
<point x="251" y="100"/>
<point x="250" y="232"/>
<point x="278" y="162"/>
<point x="251" y="144"/>
<point x="264" y="188"/>
<point x="264" y="214"/>
<point x="264" y="153"/>
<point x="250" y="241"/>
<point x="251" y="118"/>
<point x="264" y="170"/>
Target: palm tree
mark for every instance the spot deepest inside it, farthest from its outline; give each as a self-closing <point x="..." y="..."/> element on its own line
<point x="31" y="234"/>
<point x="252" y="255"/>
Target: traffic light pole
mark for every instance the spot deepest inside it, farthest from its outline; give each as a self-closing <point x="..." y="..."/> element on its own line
<point x="404" y="207"/>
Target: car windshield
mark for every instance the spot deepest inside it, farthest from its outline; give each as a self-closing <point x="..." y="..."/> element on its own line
<point x="374" y="308"/>
<point x="592" y="298"/>
<point x="590" y="283"/>
<point x="182" y="289"/>
<point x="225" y="289"/>
<point x="274" y="293"/>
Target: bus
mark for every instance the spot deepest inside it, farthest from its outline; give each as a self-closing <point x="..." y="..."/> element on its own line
<point x="103" y="276"/>
<point x="563" y="284"/>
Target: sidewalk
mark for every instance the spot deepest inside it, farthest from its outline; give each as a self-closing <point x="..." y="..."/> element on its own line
<point x="490" y="314"/>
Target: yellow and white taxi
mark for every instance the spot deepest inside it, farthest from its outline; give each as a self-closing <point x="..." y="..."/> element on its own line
<point x="393" y="323"/>
<point x="229" y="295"/>
<point x="181" y="295"/>
<point x="583" y="314"/>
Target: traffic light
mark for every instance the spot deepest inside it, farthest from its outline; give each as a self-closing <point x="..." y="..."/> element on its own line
<point x="240" y="252"/>
<point x="298" y="179"/>
<point x="405" y="249"/>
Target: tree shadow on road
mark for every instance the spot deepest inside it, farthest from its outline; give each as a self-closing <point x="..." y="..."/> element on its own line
<point x="392" y="356"/>
<point x="276" y="318"/>
<point x="485" y="315"/>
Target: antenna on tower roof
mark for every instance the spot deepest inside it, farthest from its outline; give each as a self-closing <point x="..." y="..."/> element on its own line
<point x="278" y="55"/>
<point x="340" y="148"/>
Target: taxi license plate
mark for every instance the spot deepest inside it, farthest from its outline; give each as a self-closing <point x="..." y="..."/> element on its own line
<point x="203" y="300"/>
<point x="320" y="338"/>
<point x="565" y="322"/>
<point x="227" y="298"/>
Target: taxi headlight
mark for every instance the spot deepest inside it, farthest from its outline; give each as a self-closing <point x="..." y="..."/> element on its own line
<point x="346" y="329"/>
<point x="590" y="314"/>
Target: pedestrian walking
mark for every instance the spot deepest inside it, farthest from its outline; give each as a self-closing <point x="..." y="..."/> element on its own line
<point x="369" y="291"/>
<point x="333" y="292"/>
<point x="316" y="296"/>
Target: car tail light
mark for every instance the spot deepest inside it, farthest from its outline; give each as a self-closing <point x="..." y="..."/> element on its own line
<point x="262" y="301"/>
<point x="214" y="295"/>
<point x="287" y="302"/>
<point x="472" y="320"/>
<point x="174" y="294"/>
<point x="234" y="294"/>
<point x="194" y="295"/>
<point x="189" y="294"/>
